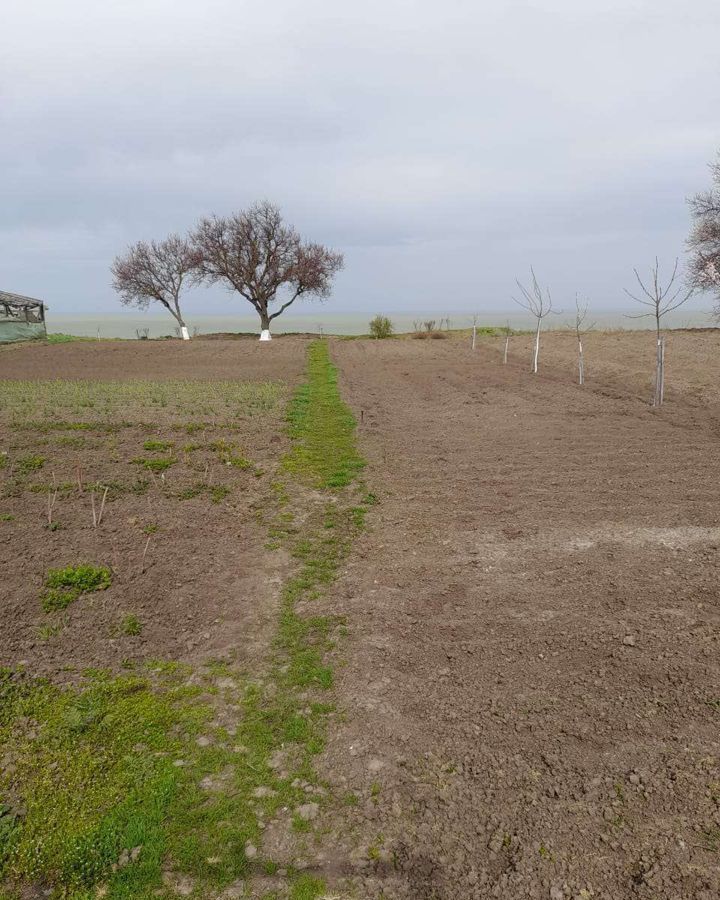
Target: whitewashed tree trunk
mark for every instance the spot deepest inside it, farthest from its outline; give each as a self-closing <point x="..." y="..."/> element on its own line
<point x="185" y="333"/>
<point x="505" y="352"/>
<point x="536" y="352"/>
<point x="660" y="372"/>
<point x="265" y="335"/>
<point x="474" y="336"/>
<point x="581" y="363"/>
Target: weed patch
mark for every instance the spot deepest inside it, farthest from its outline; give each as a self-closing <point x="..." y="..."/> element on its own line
<point x="63" y="586"/>
<point x="155" y="464"/>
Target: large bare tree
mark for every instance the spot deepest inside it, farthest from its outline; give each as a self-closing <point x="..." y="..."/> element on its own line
<point x="256" y="254"/>
<point x="154" y="271"/>
<point x="539" y="304"/>
<point x="661" y="298"/>
<point x="704" y="241"/>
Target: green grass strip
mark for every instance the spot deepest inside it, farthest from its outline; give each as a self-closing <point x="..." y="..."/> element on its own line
<point x="322" y="427"/>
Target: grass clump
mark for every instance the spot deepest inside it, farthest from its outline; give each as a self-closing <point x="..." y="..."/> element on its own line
<point x="27" y="464"/>
<point x="131" y="625"/>
<point x="322" y="427"/>
<point x="63" y="586"/>
<point x="152" y="444"/>
<point x="155" y="464"/>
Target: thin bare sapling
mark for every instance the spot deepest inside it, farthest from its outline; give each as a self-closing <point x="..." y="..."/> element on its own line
<point x="508" y="332"/>
<point x="538" y="303"/>
<point x="581" y="329"/>
<point x="661" y="298"/>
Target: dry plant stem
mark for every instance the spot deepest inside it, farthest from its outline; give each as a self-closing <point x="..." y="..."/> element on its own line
<point x="79" y="476"/>
<point x="142" y="562"/>
<point x="92" y="504"/>
<point x="52" y="501"/>
<point x="102" y="506"/>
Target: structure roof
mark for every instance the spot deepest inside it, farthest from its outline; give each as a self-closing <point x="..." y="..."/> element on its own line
<point x="18" y="300"/>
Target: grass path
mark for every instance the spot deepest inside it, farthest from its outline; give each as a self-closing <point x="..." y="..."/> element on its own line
<point x="161" y="781"/>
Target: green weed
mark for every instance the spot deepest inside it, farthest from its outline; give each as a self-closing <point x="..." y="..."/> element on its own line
<point x="27" y="464"/>
<point x="131" y="625"/>
<point x="155" y="464"/>
<point x="63" y="586"/>
<point x="152" y="444"/>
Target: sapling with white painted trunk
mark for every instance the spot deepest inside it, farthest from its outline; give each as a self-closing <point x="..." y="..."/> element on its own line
<point x="661" y="299"/>
<point x="581" y="329"/>
<point x="538" y="302"/>
<point x="508" y="332"/>
<point x="156" y="272"/>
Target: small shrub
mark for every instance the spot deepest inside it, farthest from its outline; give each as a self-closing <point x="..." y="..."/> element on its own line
<point x="438" y="335"/>
<point x="381" y="327"/>
<point x="66" y="585"/>
<point x="7" y="517"/>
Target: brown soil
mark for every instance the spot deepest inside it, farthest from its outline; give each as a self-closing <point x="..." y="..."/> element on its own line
<point x="158" y="360"/>
<point x="532" y="679"/>
<point x="186" y="547"/>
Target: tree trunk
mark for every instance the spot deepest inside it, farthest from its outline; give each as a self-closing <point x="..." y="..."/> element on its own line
<point x="536" y="354"/>
<point x="264" y="325"/>
<point x="581" y="363"/>
<point x="660" y="372"/>
<point x="181" y="322"/>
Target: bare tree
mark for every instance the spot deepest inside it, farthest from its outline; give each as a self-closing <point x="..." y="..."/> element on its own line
<point x="704" y="240"/>
<point x="539" y="303"/>
<point x="263" y="259"/>
<point x="581" y="329"/>
<point x="156" y="272"/>
<point x="661" y="299"/>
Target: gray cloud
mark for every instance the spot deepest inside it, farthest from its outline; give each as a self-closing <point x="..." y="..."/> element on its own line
<point x="443" y="147"/>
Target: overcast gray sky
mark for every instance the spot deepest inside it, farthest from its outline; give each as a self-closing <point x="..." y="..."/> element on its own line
<point x="443" y="147"/>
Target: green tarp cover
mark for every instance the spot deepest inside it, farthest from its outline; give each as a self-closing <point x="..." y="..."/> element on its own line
<point x="11" y="331"/>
